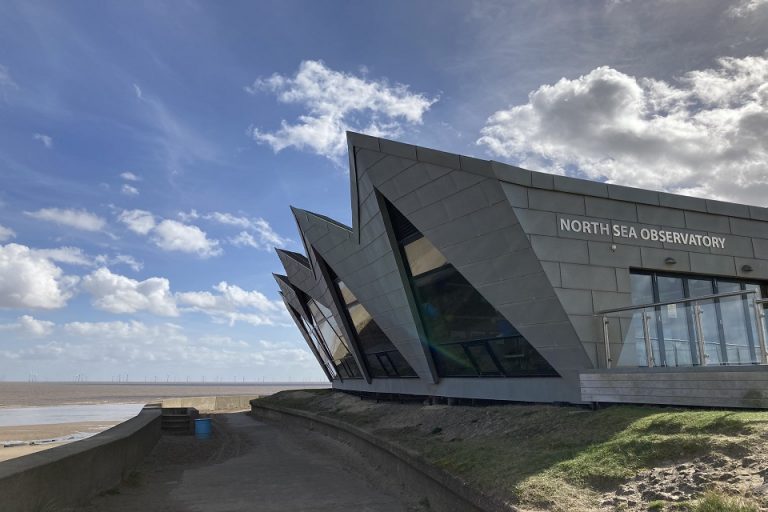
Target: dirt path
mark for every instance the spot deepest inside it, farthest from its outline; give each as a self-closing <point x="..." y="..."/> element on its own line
<point x="253" y="466"/>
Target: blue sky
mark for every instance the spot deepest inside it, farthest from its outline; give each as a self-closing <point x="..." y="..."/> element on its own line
<point x="149" y="151"/>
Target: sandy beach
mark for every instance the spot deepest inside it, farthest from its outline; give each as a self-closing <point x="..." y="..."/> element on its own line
<point x="14" y="395"/>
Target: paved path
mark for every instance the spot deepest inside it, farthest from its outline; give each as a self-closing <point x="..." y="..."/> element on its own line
<point x="254" y="466"/>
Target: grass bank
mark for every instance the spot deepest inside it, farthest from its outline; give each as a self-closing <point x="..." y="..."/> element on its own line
<point x="567" y="458"/>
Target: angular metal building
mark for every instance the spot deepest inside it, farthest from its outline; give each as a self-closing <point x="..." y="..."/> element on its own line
<point x="475" y="279"/>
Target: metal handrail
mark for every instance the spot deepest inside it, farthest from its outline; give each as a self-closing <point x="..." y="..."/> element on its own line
<point x="678" y="301"/>
<point x="698" y="331"/>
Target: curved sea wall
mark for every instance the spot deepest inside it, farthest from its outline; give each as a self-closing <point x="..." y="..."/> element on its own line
<point x="69" y="475"/>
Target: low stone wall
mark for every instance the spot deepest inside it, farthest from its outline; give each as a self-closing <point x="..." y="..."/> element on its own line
<point x="64" y="477"/>
<point x="445" y="492"/>
<point x="212" y="403"/>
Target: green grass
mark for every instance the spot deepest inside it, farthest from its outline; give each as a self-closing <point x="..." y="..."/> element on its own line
<point x="715" y="502"/>
<point x="556" y="458"/>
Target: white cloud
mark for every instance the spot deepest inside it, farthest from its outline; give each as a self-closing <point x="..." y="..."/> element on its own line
<point x="188" y="216"/>
<point x="120" y="294"/>
<point x="259" y="234"/>
<point x="137" y="91"/>
<point x="138" y="221"/>
<point x="30" y="280"/>
<point x="744" y="8"/>
<point x="120" y="259"/>
<point x="704" y="135"/>
<point x="336" y="102"/>
<point x="129" y="190"/>
<point x="34" y="327"/>
<point x="6" y="82"/>
<point x="27" y="325"/>
<point x="171" y="235"/>
<point x="129" y="176"/>
<point x="233" y="304"/>
<point x="68" y="255"/>
<point x="47" y="140"/>
<point x="78" y="219"/>
<point x="6" y="233"/>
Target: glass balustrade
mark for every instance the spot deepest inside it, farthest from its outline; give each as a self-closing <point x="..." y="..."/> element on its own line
<point x="727" y="328"/>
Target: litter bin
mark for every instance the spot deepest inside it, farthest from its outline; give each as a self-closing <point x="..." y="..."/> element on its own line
<point x="203" y="428"/>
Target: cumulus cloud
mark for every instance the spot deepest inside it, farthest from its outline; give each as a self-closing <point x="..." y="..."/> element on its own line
<point x="30" y="280"/>
<point x="119" y="294"/>
<point x="138" y="221"/>
<point x="744" y="8"/>
<point x="702" y="135"/>
<point x="47" y="140"/>
<point x="171" y="235"/>
<point x="129" y="190"/>
<point x="6" y="233"/>
<point x="78" y="219"/>
<point x="27" y="325"/>
<point x="67" y="255"/>
<point x="129" y="176"/>
<point x="233" y="304"/>
<point x="257" y="232"/>
<point x="335" y="102"/>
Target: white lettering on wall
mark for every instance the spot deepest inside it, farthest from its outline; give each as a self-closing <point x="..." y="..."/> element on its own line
<point x="656" y="235"/>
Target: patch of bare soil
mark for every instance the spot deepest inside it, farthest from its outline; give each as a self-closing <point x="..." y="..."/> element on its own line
<point x="745" y="476"/>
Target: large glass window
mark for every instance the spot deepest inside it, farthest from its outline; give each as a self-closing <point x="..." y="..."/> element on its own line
<point x="381" y="356"/>
<point x="466" y="335"/>
<point x="328" y="331"/>
<point x="728" y="325"/>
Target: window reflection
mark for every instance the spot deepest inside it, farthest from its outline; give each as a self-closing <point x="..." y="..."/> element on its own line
<point x="467" y="336"/>
<point x="328" y="330"/>
<point x="381" y="356"/>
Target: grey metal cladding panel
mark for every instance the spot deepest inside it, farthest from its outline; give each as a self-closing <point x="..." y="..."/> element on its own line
<point x="552" y="270"/>
<point x="712" y="264"/>
<point x="588" y="277"/>
<point x="583" y="187"/>
<point x="682" y="202"/>
<point x="735" y="246"/>
<point x="549" y="248"/>
<point x="623" y="283"/>
<point x="723" y="208"/>
<point x="555" y="201"/>
<point x="758" y="213"/>
<point x="434" y="191"/>
<point x="575" y="302"/>
<point x="759" y="268"/>
<point x="634" y="195"/>
<point x="609" y="300"/>
<point x="387" y="168"/>
<point x="611" y="209"/>
<point x="547" y="310"/>
<point x="761" y="248"/>
<point x="536" y="221"/>
<point x="476" y="166"/>
<point x="660" y="216"/>
<point x="753" y="228"/>
<point x="517" y="195"/>
<point x="398" y="149"/>
<point x="511" y="174"/>
<point x="360" y="140"/>
<point x="505" y="267"/>
<point x="436" y="157"/>
<point x="531" y="286"/>
<point x="614" y="255"/>
<point x="656" y="259"/>
<point x="542" y="180"/>
<point x="466" y="201"/>
<point x="707" y="222"/>
<point x="486" y="247"/>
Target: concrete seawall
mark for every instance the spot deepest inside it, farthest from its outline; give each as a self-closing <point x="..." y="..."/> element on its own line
<point x="445" y="492"/>
<point x="66" y="476"/>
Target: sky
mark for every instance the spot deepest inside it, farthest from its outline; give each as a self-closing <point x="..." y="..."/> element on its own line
<point x="149" y="151"/>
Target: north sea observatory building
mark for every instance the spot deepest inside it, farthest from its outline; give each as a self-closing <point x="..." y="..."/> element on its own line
<point x="467" y="278"/>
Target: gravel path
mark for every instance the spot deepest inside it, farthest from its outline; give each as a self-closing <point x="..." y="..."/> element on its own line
<point x="254" y="466"/>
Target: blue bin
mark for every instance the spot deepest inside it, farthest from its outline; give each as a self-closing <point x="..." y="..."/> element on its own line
<point x="203" y="429"/>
